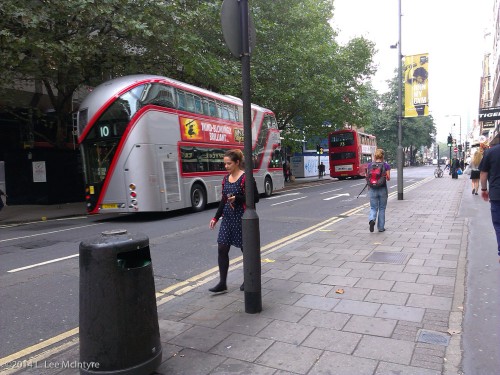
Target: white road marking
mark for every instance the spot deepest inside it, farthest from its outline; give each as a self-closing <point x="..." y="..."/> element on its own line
<point x="43" y="234"/>
<point x="290" y="200"/>
<point x="329" y="191"/>
<point x="281" y="195"/>
<point x="337" y="196"/>
<point x="43" y="263"/>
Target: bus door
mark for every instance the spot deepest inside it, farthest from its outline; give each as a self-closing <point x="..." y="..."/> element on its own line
<point x="142" y="179"/>
<point x="168" y="166"/>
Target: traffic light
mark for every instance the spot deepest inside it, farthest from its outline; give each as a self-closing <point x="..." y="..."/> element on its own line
<point x="321" y="150"/>
<point x="318" y="148"/>
<point x="450" y="140"/>
<point x="459" y="148"/>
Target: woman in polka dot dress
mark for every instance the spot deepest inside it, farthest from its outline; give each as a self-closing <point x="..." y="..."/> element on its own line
<point x="231" y="208"/>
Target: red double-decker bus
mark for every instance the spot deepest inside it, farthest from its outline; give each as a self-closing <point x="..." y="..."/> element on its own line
<point x="350" y="151"/>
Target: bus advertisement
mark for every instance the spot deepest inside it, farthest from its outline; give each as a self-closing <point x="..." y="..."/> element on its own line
<point x="153" y="144"/>
<point x="350" y="152"/>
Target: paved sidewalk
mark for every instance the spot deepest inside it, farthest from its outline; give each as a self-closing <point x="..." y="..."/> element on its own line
<point x="31" y="213"/>
<point x="340" y="301"/>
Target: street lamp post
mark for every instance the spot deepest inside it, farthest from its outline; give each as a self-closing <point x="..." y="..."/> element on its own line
<point x="400" y="115"/>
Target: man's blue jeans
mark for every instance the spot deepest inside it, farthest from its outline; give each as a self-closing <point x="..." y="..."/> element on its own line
<point x="378" y="203"/>
<point x="495" y="217"/>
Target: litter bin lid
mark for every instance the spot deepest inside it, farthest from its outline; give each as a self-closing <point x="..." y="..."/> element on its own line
<point x="114" y="232"/>
<point x="116" y="240"/>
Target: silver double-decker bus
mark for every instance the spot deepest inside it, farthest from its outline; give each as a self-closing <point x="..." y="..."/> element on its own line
<point x="152" y="144"/>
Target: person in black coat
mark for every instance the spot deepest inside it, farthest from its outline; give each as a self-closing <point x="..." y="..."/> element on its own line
<point x="455" y="164"/>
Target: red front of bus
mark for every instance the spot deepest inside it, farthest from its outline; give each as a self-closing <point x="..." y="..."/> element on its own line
<point x="345" y="150"/>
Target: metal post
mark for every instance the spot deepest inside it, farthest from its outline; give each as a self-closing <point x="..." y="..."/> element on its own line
<point x="251" y="233"/>
<point x="400" y="114"/>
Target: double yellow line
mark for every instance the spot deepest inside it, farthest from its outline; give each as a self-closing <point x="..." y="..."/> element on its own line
<point x="183" y="287"/>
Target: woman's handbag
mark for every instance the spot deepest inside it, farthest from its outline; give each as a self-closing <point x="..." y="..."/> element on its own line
<point x="467" y="170"/>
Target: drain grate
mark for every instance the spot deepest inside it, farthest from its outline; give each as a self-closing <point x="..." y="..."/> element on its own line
<point x="433" y="337"/>
<point x="387" y="257"/>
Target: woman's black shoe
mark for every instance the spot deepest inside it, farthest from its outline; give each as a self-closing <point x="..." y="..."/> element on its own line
<point x="242" y="287"/>
<point x="219" y="288"/>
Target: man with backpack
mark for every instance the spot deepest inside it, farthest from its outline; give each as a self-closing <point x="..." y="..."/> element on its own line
<point x="377" y="175"/>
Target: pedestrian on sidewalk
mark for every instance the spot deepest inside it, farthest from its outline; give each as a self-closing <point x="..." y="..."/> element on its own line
<point x="231" y="209"/>
<point x="474" y="171"/>
<point x="1" y="201"/>
<point x="321" y="170"/>
<point x="378" y="194"/>
<point x="490" y="177"/>
<point x="455" y="165"/>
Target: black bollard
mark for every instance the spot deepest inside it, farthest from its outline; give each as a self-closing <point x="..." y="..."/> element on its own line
<point x="251" y="262"/>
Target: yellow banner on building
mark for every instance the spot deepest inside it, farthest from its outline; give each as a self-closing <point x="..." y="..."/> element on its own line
<point x="416" y="69"/>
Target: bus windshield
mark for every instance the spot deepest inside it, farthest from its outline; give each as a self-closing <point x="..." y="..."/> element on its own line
<point x="102" y="140"/>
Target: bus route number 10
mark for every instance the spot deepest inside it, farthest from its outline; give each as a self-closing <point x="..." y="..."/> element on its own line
<point x="104" y="131"/>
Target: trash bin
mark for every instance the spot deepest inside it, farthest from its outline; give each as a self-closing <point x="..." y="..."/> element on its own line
<point x="119" y="331"/>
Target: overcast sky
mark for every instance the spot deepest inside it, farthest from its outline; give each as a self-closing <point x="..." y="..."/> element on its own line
<point x="451" y="31"/>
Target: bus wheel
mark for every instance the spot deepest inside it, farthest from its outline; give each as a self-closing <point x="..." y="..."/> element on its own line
<point x="268" y="186"/>
<point x="198" y="198"/>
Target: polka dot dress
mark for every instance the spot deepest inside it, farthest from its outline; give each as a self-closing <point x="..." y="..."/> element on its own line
<point x="230" y="232"/>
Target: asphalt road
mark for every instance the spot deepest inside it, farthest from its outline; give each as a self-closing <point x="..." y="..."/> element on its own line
<point x="39" y="270"/>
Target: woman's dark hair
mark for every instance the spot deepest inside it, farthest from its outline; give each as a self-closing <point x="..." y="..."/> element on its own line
<point x="235" y="155"/>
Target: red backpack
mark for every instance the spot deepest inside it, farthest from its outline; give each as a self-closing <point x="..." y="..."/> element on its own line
<point x="376" y="175"/>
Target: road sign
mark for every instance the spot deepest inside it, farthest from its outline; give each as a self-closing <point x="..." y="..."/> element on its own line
<point x="231" y="28"/>
<point x="455" y="149"/>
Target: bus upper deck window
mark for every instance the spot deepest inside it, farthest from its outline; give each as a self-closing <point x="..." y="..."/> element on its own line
<point x="232" y="114"/>
<point x="219" y="109"/>
<point x="212" y="109"/>
<point x="190" y="102"/>
<point x="198" y="108"/>
<point x="225" y="113"/>
<point x="181" y="100"/>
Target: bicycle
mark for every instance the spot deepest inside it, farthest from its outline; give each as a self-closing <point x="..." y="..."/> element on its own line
<point x="438" y="172"/>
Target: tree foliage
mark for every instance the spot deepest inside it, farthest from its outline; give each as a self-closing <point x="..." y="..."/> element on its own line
<point x="298" y="69"/>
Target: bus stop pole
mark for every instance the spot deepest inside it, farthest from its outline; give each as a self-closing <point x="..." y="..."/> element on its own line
<point x="251" y="233"/>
